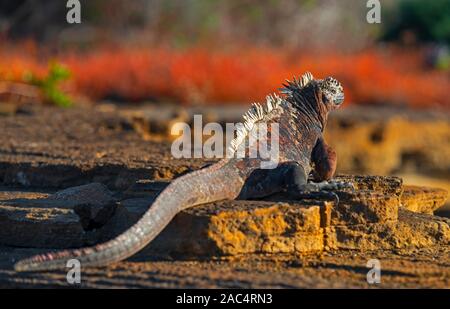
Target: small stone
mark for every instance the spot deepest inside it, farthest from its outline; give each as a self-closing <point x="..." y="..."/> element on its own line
<point x="93" y="203"/>
<point x="92" y="193"/>
<point x="28" y="226"/>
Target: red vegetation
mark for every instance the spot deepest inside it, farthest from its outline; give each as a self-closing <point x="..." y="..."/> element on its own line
<point x="199" y="75"/>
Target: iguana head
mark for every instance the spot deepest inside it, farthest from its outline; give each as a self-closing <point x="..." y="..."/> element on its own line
<point x="332" y="92"/>
<point x="328" y="91"/>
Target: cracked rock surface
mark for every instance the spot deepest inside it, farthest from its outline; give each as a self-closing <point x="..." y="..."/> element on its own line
<point x="373" y="216"/>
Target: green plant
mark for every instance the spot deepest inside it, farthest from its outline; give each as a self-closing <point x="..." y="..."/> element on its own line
<point x="428" y="20"/>
<point x="49" y="84"/>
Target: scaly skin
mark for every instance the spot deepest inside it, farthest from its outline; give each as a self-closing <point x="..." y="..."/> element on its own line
<point x="301" y="116"/>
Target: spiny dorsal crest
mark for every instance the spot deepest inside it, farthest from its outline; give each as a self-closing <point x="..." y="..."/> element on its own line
<point x="256" y="113"/>
<point x="296" y="83"/>
<point x="332" y="87"/>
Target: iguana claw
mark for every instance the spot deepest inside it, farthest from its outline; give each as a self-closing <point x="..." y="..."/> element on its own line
<point x="335" y="185"/>
<point x="318" y="195"/>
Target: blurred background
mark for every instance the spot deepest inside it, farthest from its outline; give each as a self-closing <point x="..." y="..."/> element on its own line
<point x="218" y="56"/>
<point x="213" y="51"/>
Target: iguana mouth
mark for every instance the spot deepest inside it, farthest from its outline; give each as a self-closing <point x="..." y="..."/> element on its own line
<point x="339" y="99"/>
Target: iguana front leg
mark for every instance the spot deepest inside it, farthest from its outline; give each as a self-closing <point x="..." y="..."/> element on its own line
<point x="288" y="176"/>
<point x="324" y="159"/>
<point x="297" y="185"/>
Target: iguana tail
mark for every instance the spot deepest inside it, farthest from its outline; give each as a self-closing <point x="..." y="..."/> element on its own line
<point x="217" y="182"/>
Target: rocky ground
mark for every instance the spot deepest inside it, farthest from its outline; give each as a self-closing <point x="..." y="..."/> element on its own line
<point x="76" y="177"/>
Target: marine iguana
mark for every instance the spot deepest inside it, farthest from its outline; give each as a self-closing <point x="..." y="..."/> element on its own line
<point x="301" y="113"/>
